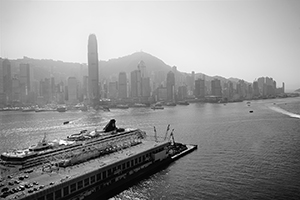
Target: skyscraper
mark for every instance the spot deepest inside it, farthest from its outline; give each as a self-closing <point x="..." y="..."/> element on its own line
<point x="199" y="88"/>
<point x="5" y="81"/>
<point x="93" y="69"/>
<point x="216" y="88"/>
<point x="24" y="81"/>
<point x="170" y="86"/>
<point x="136" y="84"/>
<point x="72" y="90"/>
<point x="122" y="85"/>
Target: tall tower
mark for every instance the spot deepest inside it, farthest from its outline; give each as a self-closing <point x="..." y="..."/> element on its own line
<point x="93" y="69"/>
<point x="170" y="86"/>
<point x="5" y="82"/>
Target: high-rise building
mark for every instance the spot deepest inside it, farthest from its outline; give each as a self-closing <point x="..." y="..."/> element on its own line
<point x="5" y="82"/>
<point x="72" y="90"/>
<point x="143" y="69"/>
<point x="112" y="90"/>
<point x="216" y="89"/>
<point x="146" y="89"/>
<point x="122" y="85"/>
<point x="261" y="82"/>
<point x="199" y="91"/>
<point x="136" y="90"/>
<point x="170" y="86"/>
<point x="255" y="89"/>
<point x="93" y="69"/>
<point x="182" y="92"/>
<point x="24" y="81"/>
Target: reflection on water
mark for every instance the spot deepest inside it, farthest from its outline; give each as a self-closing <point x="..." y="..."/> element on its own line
<point x="240" y="155"/>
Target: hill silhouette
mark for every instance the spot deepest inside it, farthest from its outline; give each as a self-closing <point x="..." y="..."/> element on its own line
<point x="46" y="68"/>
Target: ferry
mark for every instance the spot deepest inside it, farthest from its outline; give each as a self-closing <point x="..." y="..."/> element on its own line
<point x="94" y="170"/>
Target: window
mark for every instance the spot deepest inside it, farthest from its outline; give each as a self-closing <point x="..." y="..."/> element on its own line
<point x="99" y="176"/>
<point x="58" y="194"/>
<point x="41" y="198"/>
<point x="73" y="188"/>
<point x="123" y="166"/>
<point x="49" y="196"/>
<point x="86" y="182"/>
<point x="66" y="191"/>
<point x="80" y="184"/>
<point x="140" y="159"/>
<point x="93" y="179"/>
<point x="104" y="174"/>
<point x="128" y="164"/>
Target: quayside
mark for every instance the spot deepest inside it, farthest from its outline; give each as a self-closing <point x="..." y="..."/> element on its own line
<point x="95" y="169"/>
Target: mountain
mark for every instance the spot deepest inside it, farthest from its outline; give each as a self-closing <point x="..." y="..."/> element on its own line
<point x="46" y="68"/>
<point x="129" y="63"/>
<point x="298" y="90"/>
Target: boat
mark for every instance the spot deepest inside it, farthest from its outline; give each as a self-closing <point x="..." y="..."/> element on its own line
<point x="139" y="105"/>
<point x="183" y="103"/>
<point x="95" y="169"/>
<point x="61" y="109"/>
<point x="28" y="109"/>
<point x="157" y="106"/>
<point x="170" y="104"/>
<point x="122" y="106"/>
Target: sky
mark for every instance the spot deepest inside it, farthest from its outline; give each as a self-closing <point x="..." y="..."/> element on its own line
<point x="229" y="38"/>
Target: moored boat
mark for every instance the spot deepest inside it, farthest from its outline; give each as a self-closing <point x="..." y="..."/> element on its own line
<point x="96" y="168"/>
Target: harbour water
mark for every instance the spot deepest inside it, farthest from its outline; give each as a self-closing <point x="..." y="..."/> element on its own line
<point x="241" y="154"/>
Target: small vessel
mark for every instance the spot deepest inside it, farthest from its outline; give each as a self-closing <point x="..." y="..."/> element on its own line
<point x="61" y="109"/>
<point x="139" y="105"/>
<point x="28" y="109"/>
<point x="157" y="106"/>
<point x="170" y="104"/>
<point x="183" y="103"/>
<point x="122" y="106"/>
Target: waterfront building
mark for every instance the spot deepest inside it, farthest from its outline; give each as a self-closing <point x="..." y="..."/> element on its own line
<point x="170" y="86"/>
<point x="72" y="90"/>
<point x="143" y="69"/>
<point x="112" y="90"/>
<point x="161" y="93"/>
<point x="216" y="89"/>
<point x="146" y="89"/>
<point x="122" y="89"/>
<point x="255" y="89"/>
<point x="93" y="69"/>
<point x="261" y="82"/>
<point x="24" y="78"/>
<point x="182" y="92"/>
<point x="45" y="90"/>
<point x="135" y="77"/>
<point x="199" y="91"/>
<point x="15" y="89"/>
<point x="5" y="82"/>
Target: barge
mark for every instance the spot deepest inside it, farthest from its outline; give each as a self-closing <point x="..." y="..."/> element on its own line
<point x="94" y="170"/>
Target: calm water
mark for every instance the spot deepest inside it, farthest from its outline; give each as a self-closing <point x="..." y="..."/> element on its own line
<point x="240" y="155"/>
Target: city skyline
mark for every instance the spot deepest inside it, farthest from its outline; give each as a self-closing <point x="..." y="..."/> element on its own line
<point x="242" y="39"/>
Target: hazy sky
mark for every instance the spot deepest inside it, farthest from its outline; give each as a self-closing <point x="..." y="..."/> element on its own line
<point x="238" y="38"/>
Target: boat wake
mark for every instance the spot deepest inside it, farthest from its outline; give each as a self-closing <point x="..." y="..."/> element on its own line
<point x="277" y="109"/>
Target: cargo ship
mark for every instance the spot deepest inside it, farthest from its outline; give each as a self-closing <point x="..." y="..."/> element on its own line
<point x="92" y="167"/>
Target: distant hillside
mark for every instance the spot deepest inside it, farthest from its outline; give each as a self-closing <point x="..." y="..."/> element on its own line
<point x="62" y="70"/>
<point x="297" y="90"/>
<point x="130" y="63"/>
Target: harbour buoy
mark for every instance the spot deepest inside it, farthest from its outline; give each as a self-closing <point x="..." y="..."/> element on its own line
<point x="66" y="122"/>
<point x="251" y="111"/>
